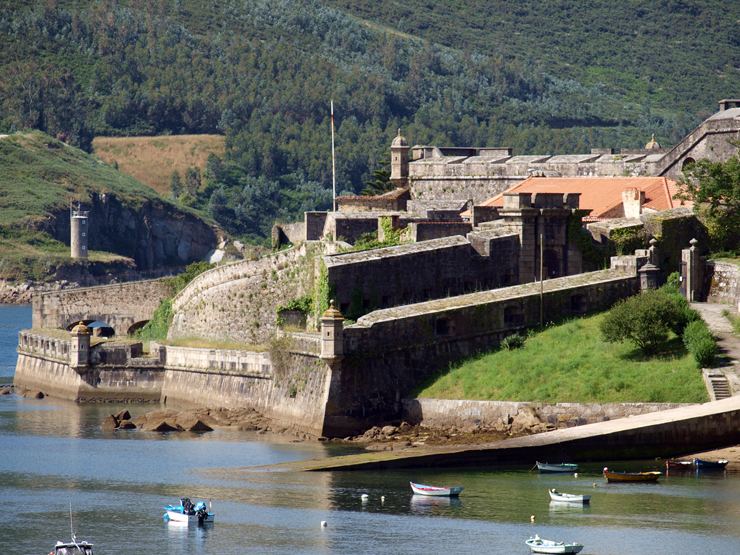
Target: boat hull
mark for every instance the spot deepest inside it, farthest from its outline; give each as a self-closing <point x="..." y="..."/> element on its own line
<point x="678" y="465"/>
<point x="632" y="476"/>
<point x="433" y="491"/>
<point x="698" y="463"/>
<point x="569" y="498"/>
<point x="547" y="467"/>
<point x="176" y="516"/>
<point x="546" y="546"/>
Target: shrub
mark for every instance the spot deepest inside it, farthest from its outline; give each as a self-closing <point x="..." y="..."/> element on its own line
<point x="512" y="342"/>
<point x="644" y="319"/>
<point x="700" y="342"/>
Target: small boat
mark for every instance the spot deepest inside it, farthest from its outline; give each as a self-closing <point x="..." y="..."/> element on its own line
<point x="421" y="489"/>
<point x="187" y="512"/>
<point x="698" y="463"/>
<point x="74" y="547"/>
<point x="568" y="497"/>
<point x="631" y="476"/>
<point x="563" y="467"/>
<point x="538" y="545"/>
<point x="678" y="465"/>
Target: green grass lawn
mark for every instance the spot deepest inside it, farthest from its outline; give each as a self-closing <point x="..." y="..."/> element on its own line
<point x="569" y="363"/>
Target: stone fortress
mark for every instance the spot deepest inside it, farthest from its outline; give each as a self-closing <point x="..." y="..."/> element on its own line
<point x="457" y="286"/>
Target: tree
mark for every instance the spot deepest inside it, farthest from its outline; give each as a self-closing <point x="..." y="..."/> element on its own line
<point x="643" y="319"/>
<point x="715" y="188"/>
<point x="192" y="181"/>
<point x="382" y="183"/>
<point x="175" y="184"/>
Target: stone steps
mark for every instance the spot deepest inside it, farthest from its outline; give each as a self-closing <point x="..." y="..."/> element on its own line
<point x="717" y="384"/>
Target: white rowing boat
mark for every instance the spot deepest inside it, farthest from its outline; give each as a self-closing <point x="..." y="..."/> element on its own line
<point x="568" y="497"/>
<point x="421" y="489"/>
<point x="538" y="545"/>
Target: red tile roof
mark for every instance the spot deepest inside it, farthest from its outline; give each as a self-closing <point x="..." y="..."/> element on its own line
<point x="600" y="194"/>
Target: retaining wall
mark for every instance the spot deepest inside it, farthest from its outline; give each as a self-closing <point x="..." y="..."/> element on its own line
<point x="724" y="283"/>
<point x="472" y="415"/>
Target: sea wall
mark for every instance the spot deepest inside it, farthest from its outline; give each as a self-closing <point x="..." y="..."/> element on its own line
<point x="481" y="415"/>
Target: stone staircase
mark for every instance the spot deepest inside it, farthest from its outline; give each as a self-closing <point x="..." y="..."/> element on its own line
<point x="717" y="384"/>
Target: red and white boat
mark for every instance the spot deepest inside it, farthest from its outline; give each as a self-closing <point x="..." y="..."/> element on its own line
<point x="421" y="489"/>
<point x="678" y="465"/>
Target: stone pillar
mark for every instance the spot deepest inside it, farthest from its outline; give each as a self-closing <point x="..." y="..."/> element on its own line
<point x="332" y="332"/>
<point x="649" y="274"/>
<point x="653" y="252"/>
<point x="79" y="235"/>
<point x="632" y="201"/>
<point x="693" y="273"/>
<point x="399" y="161"/>
<point x="79" y="356"/>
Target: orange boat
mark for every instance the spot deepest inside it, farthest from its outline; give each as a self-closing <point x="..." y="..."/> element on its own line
<point x="631" y="476"/>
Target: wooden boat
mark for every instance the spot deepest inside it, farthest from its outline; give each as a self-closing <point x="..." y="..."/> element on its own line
<point x="421" y="489"/>
<point x="563" y="467"/>
<point x="698" y="463"/>
<point x="568" y="497"/>
<point x="187" y="512"/>
<point x="678" y="465"/>
<point x="538" y="545"/>
<point x="631" y="476"/>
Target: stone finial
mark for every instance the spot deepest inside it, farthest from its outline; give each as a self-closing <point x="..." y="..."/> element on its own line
<point x="693" y="243"/>
<point x="332" y="312"/>
<point x="653" y="242"/>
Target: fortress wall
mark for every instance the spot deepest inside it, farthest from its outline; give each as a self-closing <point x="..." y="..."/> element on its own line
<point x="389" y="351"/>
<point x="291" y="390"/>
<point x="413" y="272"/>
<point x="424" y="231"/>
<point x="724" y="287"/>
<point x="472" y="415"/>
<point x="120" y="305"/>
<point x="238" y="301"/>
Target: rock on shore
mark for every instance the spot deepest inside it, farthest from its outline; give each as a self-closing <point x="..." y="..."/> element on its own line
<point x="191" y="420"/>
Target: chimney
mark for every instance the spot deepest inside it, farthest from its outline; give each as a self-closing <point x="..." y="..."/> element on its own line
<point x="632" y="201"/>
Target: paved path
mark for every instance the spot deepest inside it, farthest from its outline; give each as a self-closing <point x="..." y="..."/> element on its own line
<point x="729" y="344"/>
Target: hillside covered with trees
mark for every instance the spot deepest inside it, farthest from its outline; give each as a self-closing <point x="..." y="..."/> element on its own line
<point x="565" y="78"/>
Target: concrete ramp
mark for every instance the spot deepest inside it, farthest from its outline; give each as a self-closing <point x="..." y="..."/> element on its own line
<point x="664" y="434"/>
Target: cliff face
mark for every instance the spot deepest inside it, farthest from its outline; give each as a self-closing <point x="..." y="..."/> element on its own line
<point x="153" y="233"/>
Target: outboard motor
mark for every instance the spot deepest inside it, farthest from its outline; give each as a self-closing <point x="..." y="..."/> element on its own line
<point x="187" y="506"/>
<point x="202" y="514"/>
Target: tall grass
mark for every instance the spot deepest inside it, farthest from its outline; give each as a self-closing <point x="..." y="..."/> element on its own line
<point x="570" y="363"/>
<point x="152" y="160"/>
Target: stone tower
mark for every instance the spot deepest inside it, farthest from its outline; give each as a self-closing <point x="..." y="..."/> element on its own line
<point x="79" y="355"/>
<point x="332" y="331"/>
<point x="399" y="161"/>
<point x="80" y="232"/>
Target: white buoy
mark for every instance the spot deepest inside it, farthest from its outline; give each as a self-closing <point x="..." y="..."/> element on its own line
<point x="531" y="519"/>
<point x="365" y="497"/>
<point x="382" y="498"/>
<point x="323" y="524"/>
<point x="575" y="475"/>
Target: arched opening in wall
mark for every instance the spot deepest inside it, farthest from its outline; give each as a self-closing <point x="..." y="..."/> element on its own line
<point x="578" y="304"/>
<point x="98" y="328"/>
<point x="136" y="327"/>
<point x="550" y="264"/>
<point x="513" y="316"/>
<point x="687" y="162"/>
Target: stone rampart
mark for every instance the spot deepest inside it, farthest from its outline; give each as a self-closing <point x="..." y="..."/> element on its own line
<point x="121" y="306"/>
<point x="389" y="351"/>
<point x="416" y="272"/>
<point x="238" y="301"/>
<point x="424" y="231"/>
<point x="483" y="415"/>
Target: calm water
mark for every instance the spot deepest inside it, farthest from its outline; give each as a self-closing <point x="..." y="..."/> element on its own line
<point x="53" y="453"/>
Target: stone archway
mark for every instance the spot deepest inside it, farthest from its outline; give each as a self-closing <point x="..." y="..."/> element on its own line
<point x="550" y="264"/>
<point x="136" y="327"/>
<point x="687" y="162"/>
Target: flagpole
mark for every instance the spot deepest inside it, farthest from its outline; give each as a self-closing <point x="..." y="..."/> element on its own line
<point x="333" y="170"/>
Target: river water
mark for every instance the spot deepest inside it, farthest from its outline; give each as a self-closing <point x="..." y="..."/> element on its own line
<point x="53" y="454"/>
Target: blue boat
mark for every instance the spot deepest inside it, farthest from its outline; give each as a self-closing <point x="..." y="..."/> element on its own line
<point x="188" y="512"/>
<point x="698" y="463"/>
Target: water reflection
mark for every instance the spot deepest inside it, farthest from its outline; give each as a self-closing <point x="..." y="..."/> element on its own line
<point x="426" y="505"/>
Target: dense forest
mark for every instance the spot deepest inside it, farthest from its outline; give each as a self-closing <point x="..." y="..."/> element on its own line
<point x="263" y="73"/>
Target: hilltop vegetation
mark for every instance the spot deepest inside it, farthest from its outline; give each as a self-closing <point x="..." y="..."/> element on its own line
<point x="39" y="178"/>
<point x="262" y="74"/>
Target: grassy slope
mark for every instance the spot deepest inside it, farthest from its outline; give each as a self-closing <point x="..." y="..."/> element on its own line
<point x="570" y="363"/>
<point x="152" y="160"/>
